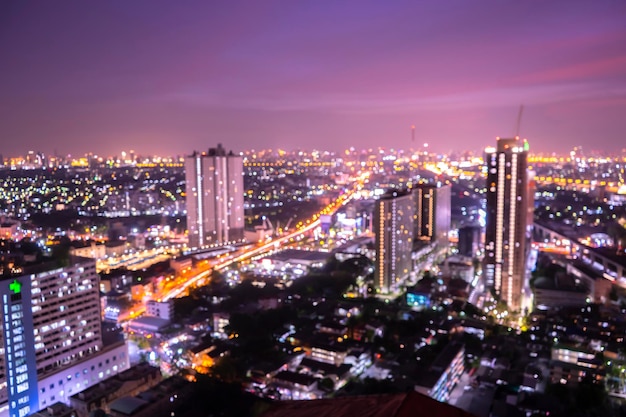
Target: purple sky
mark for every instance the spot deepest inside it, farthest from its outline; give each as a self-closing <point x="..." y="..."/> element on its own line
<point x="168" y="77"/>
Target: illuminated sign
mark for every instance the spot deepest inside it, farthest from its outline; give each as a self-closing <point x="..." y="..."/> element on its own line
<point x="15" y="286"/>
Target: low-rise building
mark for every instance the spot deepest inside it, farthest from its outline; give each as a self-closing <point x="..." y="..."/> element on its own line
<point x="181" y="262"/>
<point x="60" y="386"/>
<point x="115" y="248"/>
<point x="163" y="310"/>
<point x="148" y="325"/>
<point x="130" y="382"/>
<point x="458" y="266"/>
<point x="338" y="374"/>
<point x="9" y="228"/>
<point x="572" y="364"/>
<point x="88" y="249"/>
<point x="56" y="410"/>
<point x="562" y="290"/>
<point x="597" y="282"/>
<point x="444" y="373"/>
<point x="220" y="321"/>
<point x="295" y="386"/>
<point x="162" y="400"/>
<point x="329" y="353"/>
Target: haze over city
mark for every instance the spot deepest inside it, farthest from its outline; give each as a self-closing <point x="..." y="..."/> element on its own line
<point x="163" y="77"/>
<point x="382" y="208"/>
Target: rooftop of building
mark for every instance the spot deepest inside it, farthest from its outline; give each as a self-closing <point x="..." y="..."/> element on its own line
<point x="478" y="403"/>
<point x="128" y="405"/>
<point x="560" y="282"/>
<point x="330" y="347"/>
<point x="112" y="384"/>
<point x="444" y="359"/>
<point x="149" y="323"/>
<point x="164" y="388"/>
<point x="78" y="244"/>
<point x="325" y="368"/>
<point x="55" y="410"/>
<point x="295" y="378"/>
<point x="395" y="193"/>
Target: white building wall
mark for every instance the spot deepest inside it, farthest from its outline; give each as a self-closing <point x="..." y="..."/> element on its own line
<point x="163" y="310"/>
<point x="62" y="385"/>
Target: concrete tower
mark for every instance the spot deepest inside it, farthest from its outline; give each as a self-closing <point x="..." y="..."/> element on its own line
<point x="214" y="189"/>
<point x="507" y="219"/>
<point x="393" y="226"/>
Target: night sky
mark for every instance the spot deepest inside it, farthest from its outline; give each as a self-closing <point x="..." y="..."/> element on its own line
<point x="168" y="77"/>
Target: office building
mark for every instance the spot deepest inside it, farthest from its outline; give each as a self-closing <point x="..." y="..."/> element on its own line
<point x="507" y="219"/>
<point x="214" y="189"/>
<point x="51" y="329"/>
<point x="432" y="212"/>
<point x="394" y="227"/>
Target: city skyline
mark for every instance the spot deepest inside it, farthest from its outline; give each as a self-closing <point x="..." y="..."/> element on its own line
<point x="160" y="78"/>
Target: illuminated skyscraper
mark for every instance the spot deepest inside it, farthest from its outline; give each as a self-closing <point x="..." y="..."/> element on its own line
<point x="393" y="226"/>
<point x="214" y="197"/>
<point x="432" y="212"/>
<point x="51" y="339"/>
<point x="507" y="214"/>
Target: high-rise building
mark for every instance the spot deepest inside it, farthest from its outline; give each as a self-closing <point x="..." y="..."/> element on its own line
<point x="214" y="192"/>
<point x="51" y="335"/>
<point x="393" y="226"/>
<point x="507" y="219"/>
<point x="432" y="212"/>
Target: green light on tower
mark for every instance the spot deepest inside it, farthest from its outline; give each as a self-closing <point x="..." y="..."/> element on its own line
<point x="15" y="286"/>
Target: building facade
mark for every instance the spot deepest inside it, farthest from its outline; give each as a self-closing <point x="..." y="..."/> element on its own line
<point x="506" y="223"/>
<point x="394" y="227"/>
<point x="50" y="321"/>
<point x="214" y="190"/>
<point x="163" y="310"/>
<point x="432" y="212"/>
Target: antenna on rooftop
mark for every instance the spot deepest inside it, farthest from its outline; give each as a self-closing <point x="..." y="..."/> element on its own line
<point x="519" y="120"/>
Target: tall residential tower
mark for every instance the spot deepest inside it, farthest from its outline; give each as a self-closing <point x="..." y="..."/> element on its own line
<point x="214" y="192"/>
<point x="507" y="219"/>
<point x="393" y="225"/>
<point x="432" y="212"/>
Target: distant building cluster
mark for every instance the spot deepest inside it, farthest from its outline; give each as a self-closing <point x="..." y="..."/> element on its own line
<point x="312" y="274"/>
